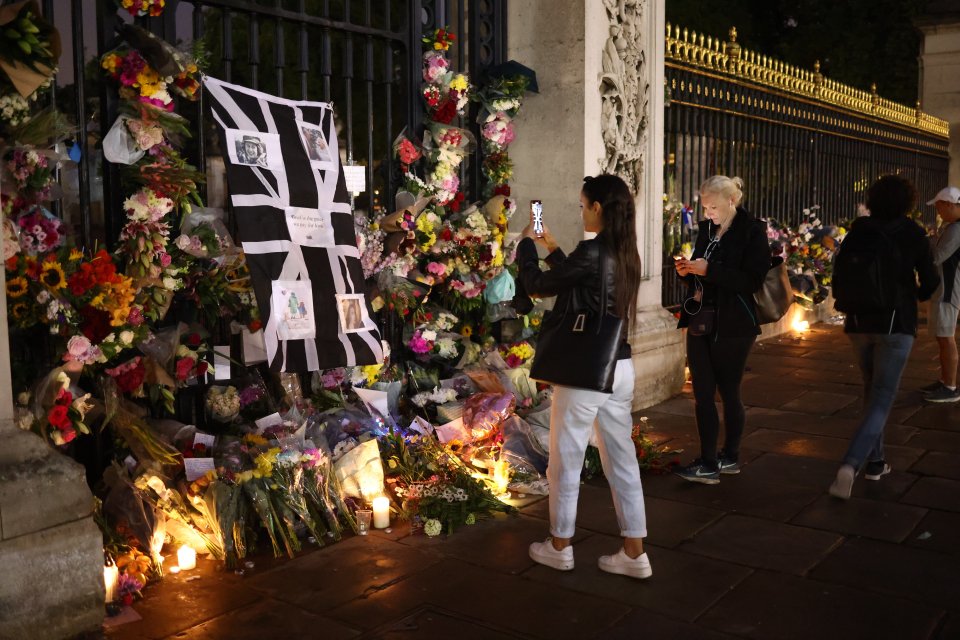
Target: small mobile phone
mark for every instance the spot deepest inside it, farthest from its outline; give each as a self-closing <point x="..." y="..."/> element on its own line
<point x="536" y="213"/>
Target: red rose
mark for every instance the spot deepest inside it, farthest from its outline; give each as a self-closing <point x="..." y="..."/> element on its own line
<point x="445" y="112"/>
<point x="446" y="234"/>
<point x="457" y="202"/>
<point x="64" y="398"/>
<point x="254" y="326"/>
<point x="202" y="367"/>
<point x="94" y="324"/>
<point x="194" y="340"/>
<point x="58" y="417"/>
<point x="502" y="190"/>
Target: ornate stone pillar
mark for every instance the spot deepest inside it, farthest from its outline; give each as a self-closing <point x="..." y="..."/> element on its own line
<point x="600" y="109"/>
<point x="51" y="551"/>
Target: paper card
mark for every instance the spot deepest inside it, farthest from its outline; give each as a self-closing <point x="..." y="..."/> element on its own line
<point x="266" y="422"/>
<point x="452" y="431"/>
<point x="221" y="363"/>
<point x="205" y="439"/>
<point x="292" y="305"/>
<point x="376" y="401"/>
<point x="421" y="426"/>
<point x="197" y="467"/>
<point x="310" y="227"/>
<point x="315" y="143"/>
<point x="254" y="149"/>
<point x="352" y="309"/>
<point x="254" y="347"/>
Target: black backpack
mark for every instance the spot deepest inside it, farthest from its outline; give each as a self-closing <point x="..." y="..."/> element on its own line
<point x="866" y="271"/>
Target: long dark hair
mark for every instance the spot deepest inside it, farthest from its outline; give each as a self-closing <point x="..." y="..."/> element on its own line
<point x="619" y="235"/>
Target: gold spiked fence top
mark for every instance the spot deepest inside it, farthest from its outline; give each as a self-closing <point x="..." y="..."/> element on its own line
<point x="709" y="53"/>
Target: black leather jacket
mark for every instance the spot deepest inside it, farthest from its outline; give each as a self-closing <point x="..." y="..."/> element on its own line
<point x="735" y="272"/>
<point x="574" y="279"/>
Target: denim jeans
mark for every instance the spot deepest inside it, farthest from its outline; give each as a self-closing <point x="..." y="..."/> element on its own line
<point x="572" y="416"/>
<point x="882" y="358"/>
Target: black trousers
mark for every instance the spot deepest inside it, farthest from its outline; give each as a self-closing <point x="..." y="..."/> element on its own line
<point x="717" y="365"/>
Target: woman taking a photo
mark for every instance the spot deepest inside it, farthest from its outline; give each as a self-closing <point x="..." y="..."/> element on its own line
<point x="729" y="264"/>
<point x="605" y="268"/>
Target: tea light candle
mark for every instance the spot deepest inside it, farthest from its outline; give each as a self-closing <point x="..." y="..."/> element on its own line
<point x="111" y="575"/>
<point x="187" y="558"/>
<point x="381" y="512"/>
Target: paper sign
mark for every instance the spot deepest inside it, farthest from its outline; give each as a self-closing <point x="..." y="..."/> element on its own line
<point x="421" y="426"/>
<point x="376" y="401"/>
<point x="292" y="305"/>
<point x="205" y="439"/>
<point x="266" y="422"/>
<point x="310" y="227"/>
<point x="197" y="467"/>
<point x="254" y="149"/>
<point x="254" y="347"/>
<point x="315" y="144"/>
<point x="452" y="431"/>
<point x="221" y="363"/>
<point x="352" y="309"/>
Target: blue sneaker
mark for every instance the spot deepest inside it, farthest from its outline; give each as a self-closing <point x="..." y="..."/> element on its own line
<point x="727" y="466"/>
<point x="698" y="471"/>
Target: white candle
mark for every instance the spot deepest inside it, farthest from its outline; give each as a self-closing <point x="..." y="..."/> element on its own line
<point x="381" y="512"/>
<point x="111" y="575"/>
<point x="187" y="558"/>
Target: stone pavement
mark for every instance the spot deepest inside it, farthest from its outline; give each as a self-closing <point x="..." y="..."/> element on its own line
<point x="764" y="554"/>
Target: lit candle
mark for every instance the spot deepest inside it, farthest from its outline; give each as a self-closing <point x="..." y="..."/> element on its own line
<point x="111" y="575"/>
<point x="381" y="512"/>
<point x="187" y="558"/>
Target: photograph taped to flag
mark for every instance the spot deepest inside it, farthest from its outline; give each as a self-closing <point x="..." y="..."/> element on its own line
<point x="318" y="248"/>
<point x="315" y="144"/>
<point x="352" y="309"/>
<point x="254" y="149"/>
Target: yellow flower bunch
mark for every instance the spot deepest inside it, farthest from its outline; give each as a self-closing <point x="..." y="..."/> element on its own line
<point x="522" y="350"/>
<point x="266" y="460"/>
<point x="51" y="274"/>
<point x="110" y="62"/>
<point x="254" y="440"/>
<point x="459" y="83"/>
<point x="371" y="372"/>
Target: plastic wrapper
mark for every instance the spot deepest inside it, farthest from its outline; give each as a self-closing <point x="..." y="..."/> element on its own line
<point x="119" y="145"/>
<point x="123" y="505"/>
<point x="501" y="311"/>
<point x="499" y="291"/>
<point x="204" y="234"/>
<point x="360" y="471"/>
<point x="521" y="448"/>
<point x="11" y="239"/>
<point x="255" y="400"/>
<point x="484" y="412"/>
<point x="486" y="380"/>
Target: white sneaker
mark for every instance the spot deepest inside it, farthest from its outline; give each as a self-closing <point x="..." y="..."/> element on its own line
<point x="843" y="485"/>
<point x="544" y="553"/>
<point x="623" y="564"/>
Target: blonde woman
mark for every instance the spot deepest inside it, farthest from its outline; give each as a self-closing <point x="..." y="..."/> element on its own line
<point x="728" y="265"/>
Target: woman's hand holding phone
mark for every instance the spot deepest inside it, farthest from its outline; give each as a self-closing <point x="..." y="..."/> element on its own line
<point x="543" y="237"/>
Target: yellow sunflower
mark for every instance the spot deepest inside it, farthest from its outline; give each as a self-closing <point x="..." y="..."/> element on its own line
<point x="51" y="274"/>
<point x="466" y="331"/>
<point x="16" y="287"/>
<point x="19" y="310"/>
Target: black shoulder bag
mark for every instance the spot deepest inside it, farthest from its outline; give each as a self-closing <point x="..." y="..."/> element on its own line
<point x="578" y="347"/>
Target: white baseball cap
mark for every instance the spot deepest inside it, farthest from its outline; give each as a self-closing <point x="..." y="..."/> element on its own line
<point x="947" y="194"/>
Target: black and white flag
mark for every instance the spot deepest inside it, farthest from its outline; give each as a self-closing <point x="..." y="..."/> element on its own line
<point x="292" y="209"/>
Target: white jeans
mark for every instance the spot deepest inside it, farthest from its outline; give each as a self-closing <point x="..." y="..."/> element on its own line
<point x="572" y="416"/>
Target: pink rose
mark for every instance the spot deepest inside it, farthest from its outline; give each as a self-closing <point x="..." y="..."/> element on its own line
<point x="165" y="259"/>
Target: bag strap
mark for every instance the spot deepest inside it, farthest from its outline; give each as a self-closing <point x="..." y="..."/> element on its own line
<point x="603" y="285"/>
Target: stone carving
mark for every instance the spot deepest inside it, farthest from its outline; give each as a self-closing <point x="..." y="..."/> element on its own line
<point x="624" y="93"/>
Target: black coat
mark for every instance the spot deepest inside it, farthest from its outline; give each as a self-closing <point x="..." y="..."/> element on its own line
<point x="916" y="261"/>
<point x="573" y="279"/>
<point x="735" y="271"/>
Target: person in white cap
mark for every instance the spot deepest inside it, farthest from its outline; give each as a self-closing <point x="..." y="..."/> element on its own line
<point x="945" y="303"/>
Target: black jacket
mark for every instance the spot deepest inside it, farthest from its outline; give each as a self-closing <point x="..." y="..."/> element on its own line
<point x="736" y="270"/>
<point x="576" y="276"/>
<point x="916" y="260"/>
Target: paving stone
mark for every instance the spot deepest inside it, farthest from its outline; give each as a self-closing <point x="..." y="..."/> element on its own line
<point x="184" y="600"/>
<point x="773" y="605"/>
<point x="498" y="543"/>
<point x="945" y="417"/>
<point x="890" y="488"/>
<point x="900" y="414"/>
<point x="914" y="574"/>
<point x="936" y="493"/>
<point x="677" y="406"/>
<point x="868" y="518"/>
<point x="938" y="531"/>
<point x="763" y="544"/>
<point x="471" y="591"/>
<point x="938" y="464"/>
<point x="644" y="623"/>
<point x="819" y="402"/>
<point x="751" y="493"/>
<point x="682" y="583"/>
<point x="433" y="622"/>
<point x="336" y="574"/>
<point x="758" y="360"/>
<point x="826" y="448"/>
<point x="282" y="620"/>
<point x="794" y="470"/>
<point x="770" y="395"/>
<point x="934" y="440"/>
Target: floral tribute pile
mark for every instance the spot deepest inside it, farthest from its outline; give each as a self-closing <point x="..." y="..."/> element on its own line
<point x="443" y="429"/>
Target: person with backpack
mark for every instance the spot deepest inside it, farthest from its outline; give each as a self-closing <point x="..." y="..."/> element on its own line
<point x="945" y="305"/>
<point x="875" y="275"/>
<point x="728" y="266"/>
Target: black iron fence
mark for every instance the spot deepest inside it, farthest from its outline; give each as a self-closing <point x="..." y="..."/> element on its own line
<point x="362" y="55"/>
<point x="796" y="138"/>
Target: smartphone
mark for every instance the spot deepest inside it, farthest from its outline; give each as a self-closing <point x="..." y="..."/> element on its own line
<point x="536" y="214"/>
